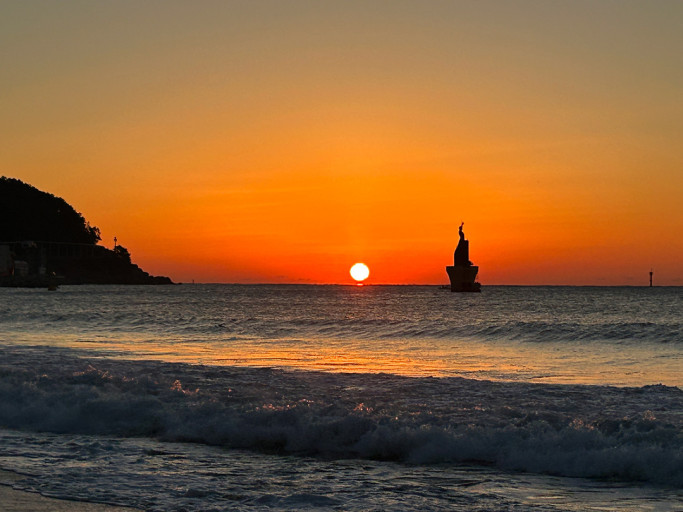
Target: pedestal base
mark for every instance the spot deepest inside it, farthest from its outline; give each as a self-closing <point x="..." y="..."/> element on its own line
<point x="462" y="278"/>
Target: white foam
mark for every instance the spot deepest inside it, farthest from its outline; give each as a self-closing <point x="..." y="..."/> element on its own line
<point x="626" y="434"/>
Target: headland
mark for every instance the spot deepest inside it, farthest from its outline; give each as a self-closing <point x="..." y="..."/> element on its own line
<point x="45" y="242"/>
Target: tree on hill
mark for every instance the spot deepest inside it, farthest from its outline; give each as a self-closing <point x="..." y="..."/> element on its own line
<point x="27" y="213"/>
<point x="122" y="253"/>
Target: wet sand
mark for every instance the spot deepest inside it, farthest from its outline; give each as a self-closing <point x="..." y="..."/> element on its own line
<point x="13" y="500"/>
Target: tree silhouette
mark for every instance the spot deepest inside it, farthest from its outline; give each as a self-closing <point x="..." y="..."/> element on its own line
<point x="122" y="253"/>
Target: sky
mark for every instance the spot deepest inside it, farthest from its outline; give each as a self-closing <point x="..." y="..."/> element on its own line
<point x="283" y="141"/>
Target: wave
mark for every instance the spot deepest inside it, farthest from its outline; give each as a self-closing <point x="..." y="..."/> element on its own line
<point x="624" y="434"/>
<point x="221" y="328"/>
<point x="524" y="331"/>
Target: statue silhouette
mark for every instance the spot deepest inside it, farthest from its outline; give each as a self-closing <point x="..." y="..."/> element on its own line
<point x="461" y="257"/>
<point x="463" y="273"/>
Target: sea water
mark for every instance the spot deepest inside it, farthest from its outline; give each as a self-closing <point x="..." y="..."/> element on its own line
<point x="232" y="397"/>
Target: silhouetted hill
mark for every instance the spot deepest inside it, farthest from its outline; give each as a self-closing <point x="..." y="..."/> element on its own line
<point x="27" y="213"/>
<point x="42" y="235"/>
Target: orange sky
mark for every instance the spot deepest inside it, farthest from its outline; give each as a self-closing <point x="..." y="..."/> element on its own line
<point x="272" y="141"/>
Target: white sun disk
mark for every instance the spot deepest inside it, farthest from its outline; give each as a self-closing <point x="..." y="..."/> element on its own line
<point x="360" y="271"/>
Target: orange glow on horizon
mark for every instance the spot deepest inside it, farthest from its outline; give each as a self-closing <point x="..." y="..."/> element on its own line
<point x="277" y="145"/>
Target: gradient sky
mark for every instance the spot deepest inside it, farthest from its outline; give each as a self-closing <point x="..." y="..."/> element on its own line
<point x="282" y="141"/>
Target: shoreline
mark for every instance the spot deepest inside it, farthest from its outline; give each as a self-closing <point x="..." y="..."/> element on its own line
<point x="16" y="500"/>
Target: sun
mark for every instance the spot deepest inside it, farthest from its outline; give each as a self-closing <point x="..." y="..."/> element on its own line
<point x="360" y="272"/>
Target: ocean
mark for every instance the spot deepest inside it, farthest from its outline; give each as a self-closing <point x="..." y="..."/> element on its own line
<point x="288" y="397"/>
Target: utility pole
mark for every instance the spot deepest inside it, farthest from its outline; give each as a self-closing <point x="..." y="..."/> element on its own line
<point x="651" y="278"/>
<point x="115" y="243"/>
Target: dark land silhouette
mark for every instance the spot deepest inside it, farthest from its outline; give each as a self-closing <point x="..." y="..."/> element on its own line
<point x="45" y="241"/>
<point x="463" y="273"/>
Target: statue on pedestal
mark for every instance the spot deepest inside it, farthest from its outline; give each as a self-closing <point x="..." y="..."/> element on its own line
<point x="463" y="273"/>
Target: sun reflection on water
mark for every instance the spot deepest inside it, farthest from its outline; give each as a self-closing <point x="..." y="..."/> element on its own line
<point x="503" y="361"/>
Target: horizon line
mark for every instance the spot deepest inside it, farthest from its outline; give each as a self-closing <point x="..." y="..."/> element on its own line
<point x="445" y="285"/>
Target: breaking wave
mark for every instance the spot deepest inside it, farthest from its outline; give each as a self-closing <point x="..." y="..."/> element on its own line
<point x="623" y="434"/>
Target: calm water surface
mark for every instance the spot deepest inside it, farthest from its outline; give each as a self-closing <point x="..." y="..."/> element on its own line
<point x="619" y="336"/>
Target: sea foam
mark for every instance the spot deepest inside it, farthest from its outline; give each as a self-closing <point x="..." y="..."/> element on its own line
<point x="624" y="434"/>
